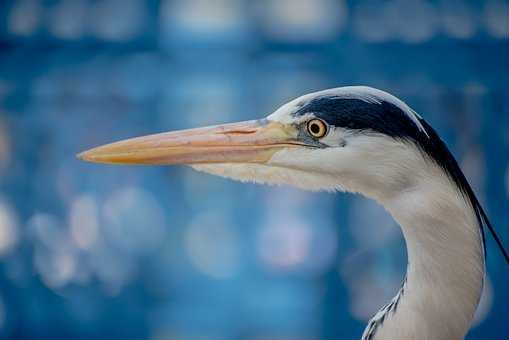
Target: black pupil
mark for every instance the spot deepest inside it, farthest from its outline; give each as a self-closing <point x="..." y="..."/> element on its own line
<point x="315" y="128"/>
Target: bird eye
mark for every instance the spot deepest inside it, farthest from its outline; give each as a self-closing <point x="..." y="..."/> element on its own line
<point x="317" y="128"/>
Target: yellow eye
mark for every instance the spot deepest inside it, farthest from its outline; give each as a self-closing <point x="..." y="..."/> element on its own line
<point x="317" y="128"/>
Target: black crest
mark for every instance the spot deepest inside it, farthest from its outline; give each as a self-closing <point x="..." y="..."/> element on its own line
<point x="393" y="118"/>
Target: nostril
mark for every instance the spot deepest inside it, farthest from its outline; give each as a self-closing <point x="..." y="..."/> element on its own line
<point x="239" y="132"/>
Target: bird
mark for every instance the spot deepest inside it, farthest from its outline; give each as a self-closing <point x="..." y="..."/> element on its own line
<point x="361" y="140"/>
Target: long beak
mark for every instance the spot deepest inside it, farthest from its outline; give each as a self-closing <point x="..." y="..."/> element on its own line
<point x="245" y="142"/>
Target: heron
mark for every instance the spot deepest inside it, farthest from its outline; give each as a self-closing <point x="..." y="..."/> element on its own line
<point x="360" y="140"/>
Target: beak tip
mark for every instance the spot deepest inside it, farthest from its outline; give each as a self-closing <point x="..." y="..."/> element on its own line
<point x="84" y="156"/>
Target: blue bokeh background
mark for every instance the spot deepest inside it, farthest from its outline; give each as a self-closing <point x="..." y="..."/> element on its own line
<point x="90" y="251"/>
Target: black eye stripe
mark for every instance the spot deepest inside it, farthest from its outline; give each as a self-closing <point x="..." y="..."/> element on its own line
<point x="357" y="114"/>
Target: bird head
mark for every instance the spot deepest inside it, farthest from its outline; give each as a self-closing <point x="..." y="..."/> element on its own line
<point x="356" y="139"/>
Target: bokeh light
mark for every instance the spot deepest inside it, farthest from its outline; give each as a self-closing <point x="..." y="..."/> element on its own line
<point x="8" y="228"/>
<point x="212" y="246"/>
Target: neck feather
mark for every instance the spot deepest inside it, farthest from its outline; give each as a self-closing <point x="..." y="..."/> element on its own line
<point x="445" y="265"/>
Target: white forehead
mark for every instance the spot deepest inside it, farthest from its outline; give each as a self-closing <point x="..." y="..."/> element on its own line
<point x="285" y="114"/>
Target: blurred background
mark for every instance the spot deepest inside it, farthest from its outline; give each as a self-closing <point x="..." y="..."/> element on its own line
<point x="167" y="253"/>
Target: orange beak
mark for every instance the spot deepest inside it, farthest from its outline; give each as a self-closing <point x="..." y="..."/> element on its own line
<point x="245" y="142"/>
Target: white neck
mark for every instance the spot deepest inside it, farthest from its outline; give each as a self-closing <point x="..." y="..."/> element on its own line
<point x="445" y="266"/>
<point x="445" y="255"/>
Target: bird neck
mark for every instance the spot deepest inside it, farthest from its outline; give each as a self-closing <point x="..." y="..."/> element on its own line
<point x="445" y="270"/>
